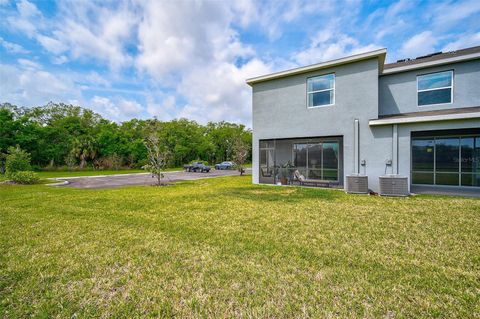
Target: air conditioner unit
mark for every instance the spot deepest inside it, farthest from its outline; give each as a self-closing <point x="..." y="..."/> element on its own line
<point x="394" y="185"/>
<point x="357" y="184"/>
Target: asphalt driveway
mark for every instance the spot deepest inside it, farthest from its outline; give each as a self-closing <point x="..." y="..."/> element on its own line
<point x="113" y="181"/>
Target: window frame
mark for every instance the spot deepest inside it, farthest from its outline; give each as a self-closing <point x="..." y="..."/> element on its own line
<point x="440" y="88"/>
<point x="317" y="91"/>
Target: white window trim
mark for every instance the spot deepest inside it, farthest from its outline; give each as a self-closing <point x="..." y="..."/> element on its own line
<point x="440" y="88"/>
<point x="324" y="90"/>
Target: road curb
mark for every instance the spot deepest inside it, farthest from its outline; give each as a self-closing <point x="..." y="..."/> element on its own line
<point x="62" y="183"/>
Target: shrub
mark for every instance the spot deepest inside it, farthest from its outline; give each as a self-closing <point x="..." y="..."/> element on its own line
<point x="16" y="160"/>
<point x="24" y="177"/>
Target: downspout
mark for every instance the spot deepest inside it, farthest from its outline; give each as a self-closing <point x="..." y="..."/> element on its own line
<point x="356" y="146"/>
<point x="395" y="149"/>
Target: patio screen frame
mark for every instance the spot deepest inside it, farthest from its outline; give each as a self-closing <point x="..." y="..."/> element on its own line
<point x="283" y="152"/>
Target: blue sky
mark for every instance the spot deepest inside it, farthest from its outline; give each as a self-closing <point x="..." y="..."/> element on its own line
<point x="190" y="59"/>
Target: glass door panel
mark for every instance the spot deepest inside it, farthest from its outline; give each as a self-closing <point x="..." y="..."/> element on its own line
<point x="330" y="161"/>
<point x="300" y="158"/>
<point x="447" y="155"/>
<point x="423" y="161"/>
<point x="267" y="174"/>
<point x="315" y="161"/>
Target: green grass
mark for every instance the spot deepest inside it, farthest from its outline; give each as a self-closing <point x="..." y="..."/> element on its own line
<point x="225" y="248"/>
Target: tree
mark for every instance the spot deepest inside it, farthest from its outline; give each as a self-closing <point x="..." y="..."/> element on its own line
<point x="157" y="156"/>
<point x="71" y="160"/>
<point x="85" y="149"/>
<point x="17" y="160"/>
<point x="60" y="134"/>
<point x="3" y="157"/>
<point x="240" y="152"/>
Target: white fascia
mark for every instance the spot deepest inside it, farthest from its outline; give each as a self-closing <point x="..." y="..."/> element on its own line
<point x="426" y="118"/>
<point x="314" y="67"/>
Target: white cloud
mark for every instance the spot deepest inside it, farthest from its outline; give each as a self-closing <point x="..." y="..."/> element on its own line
<point x="52" y="45"/>
<point x="270" y="16"/>
<point x="174" y="36"/>
<point x="118" y="109"/>
<point x="224" y="96"/>
<point x="29" y="85"/>
<point x="29" y="64"/>
<point x="464" y="41"/>
<point x="164" y="111"/>
<point x="200" y="63"/>
<point x="12" y="47"/>
<point x="420" y="44"/>
<point x="88" y="31"/>
<point x="328" y="45"/>
<point x="94" y="78"/>
<point x="129" y="108"/>
<point x="59" y="60"/>
<point x="448" y="13"/>
<point x="27" y="19"/>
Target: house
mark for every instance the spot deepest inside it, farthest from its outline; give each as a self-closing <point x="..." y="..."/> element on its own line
<point x="418" y="118"/>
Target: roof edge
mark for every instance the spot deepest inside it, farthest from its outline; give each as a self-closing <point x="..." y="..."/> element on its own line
<point x="427" y="64"/>
<point x="318" y="66"/>
<point x="424" y="118"/>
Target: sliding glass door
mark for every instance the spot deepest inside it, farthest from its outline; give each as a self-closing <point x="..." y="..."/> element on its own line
<point x="446" y="160"/>
<point x="317" y="160"/>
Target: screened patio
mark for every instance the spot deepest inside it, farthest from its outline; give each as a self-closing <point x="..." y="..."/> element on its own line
<point x="302" y="161"/>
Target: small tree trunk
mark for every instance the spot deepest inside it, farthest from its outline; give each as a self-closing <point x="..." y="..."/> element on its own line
<point x="83" y="162"/>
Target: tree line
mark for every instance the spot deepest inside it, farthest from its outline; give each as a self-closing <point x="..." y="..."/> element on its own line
<point x="62" y="135"/>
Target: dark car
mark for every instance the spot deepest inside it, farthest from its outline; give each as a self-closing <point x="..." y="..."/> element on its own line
<point x="197" y="167"/>
<point x="225" y="165"/>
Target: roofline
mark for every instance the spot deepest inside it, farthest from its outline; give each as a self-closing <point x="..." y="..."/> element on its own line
<point x="314" y="67"/>
<point x="409" y="67"/>
<point x="425" y="118"/>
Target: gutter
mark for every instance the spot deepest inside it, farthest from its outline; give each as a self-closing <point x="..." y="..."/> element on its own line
<point x="426" y="118"/>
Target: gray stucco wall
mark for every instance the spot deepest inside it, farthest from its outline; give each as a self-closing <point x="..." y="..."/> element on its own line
<point x="280" y="111"/>
<point x="398" y="92"/>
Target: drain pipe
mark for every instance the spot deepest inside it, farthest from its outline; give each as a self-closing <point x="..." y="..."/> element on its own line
<point x="395" y="149"/>
<point x="356" y="146"/>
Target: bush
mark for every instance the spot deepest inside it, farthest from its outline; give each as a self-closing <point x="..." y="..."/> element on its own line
<point x="16" y="160"/>
<point x="24" y="177"/>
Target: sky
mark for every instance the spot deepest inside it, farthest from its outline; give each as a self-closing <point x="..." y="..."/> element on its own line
<point x="190" y="59"/>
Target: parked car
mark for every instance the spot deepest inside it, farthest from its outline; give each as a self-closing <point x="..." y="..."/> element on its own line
<point x="225" y="165"/>
<point x="197" y="167"/>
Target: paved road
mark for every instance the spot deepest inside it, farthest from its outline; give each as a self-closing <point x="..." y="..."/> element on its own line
<point x="113" y="181"/>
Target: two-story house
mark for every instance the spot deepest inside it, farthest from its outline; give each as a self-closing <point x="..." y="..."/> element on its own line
<point x="419" y="118"/>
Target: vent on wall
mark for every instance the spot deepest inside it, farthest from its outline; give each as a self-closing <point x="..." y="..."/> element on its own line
<point x="394" y="185"/>
<point x="357" y="184"/>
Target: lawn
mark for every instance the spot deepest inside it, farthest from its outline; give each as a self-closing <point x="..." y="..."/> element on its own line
<point x="225" y="248"/>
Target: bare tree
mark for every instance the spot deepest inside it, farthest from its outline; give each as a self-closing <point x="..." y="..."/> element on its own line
<point x="240" y="154"/>
<point x="157" y="156"/>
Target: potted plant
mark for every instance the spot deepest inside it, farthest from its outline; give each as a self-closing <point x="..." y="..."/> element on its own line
<point x="285" y="172"/>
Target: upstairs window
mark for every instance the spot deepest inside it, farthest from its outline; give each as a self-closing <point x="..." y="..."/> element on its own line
<point x="321" y="90"/>
<point x="435" y="88"/>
